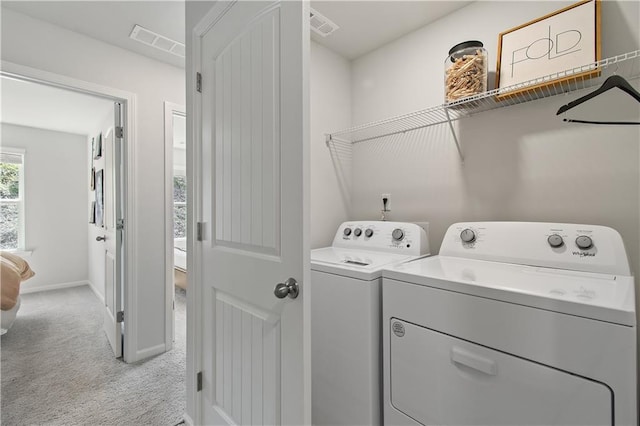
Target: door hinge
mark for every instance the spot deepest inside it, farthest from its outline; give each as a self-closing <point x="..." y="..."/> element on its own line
<point x="199" y="381"/>
<point x="120" y="316"/>
<point x="120" y="224"/>
<point x="119" y="132"/>
<point x="200" y="231"/>
<point x="199" y="82"/>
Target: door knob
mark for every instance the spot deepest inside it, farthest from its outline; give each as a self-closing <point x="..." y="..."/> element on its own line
<point x="101" y="238"/>
<point x="288" y="288"/>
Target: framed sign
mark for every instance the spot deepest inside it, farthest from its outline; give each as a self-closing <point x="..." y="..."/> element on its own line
<point x="563" y="40"/>
<point x="92" y="213"/>
<point x="99" y="199"/>
<point x="97" y="147"/>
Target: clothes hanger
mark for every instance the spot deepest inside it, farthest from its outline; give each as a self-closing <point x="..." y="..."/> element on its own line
<point x="609" y="83"/>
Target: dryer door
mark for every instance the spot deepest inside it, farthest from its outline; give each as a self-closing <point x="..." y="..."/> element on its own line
<point x="437" y="379"/>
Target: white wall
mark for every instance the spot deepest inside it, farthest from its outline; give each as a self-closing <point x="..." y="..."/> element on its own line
<point x="179" y="145"/>
<point x="37" y="44"/>
<point x="179" y="161"/>
<point x="56" y="215"/>
<point x="330" y="83"/>
<point x="522" y="163"/>
<point x="95" y="248"/>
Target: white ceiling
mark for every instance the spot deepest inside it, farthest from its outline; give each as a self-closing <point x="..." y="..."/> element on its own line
<point x="36" y="105"/>
<point x="364" y="25"/>
<point x="367" y="25"/>
<point x="112" y="21"/>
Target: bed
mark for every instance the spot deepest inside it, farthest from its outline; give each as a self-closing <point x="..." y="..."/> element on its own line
<point x="14" y="270"/>
<point x="180" y="262"/>
<point x="180" y="253"/>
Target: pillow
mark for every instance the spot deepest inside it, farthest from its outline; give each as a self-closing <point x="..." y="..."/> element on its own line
<point x="21" y="265"/>
<point x="13" y="270"/>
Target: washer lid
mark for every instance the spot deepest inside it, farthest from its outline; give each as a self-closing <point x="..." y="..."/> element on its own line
<point x="602" y="297"/>
<point x="361" y="264"/>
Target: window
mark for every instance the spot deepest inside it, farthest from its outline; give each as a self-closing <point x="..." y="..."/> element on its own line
<point x="179" y="206"/>
<point x="11" y="199"/>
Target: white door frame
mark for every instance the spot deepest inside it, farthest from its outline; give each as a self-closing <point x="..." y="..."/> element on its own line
<point x="193" y="415"/>
<point x="128" y="100"/>
<point x="169" y="110"/>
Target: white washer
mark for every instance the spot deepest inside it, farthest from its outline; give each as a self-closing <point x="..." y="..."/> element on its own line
<point x="513" y="323"/>
<point x="346" y="284"/>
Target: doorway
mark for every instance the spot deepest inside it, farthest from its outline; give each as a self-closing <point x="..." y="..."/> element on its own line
<point x="116" y="192"/>
<point x="69" y="150"/>
<point x="76" y="334"/>
<point x="175" y="131"/>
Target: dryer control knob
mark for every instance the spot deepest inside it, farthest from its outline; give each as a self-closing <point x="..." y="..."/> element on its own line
<point x="584" y="243"/>
<point x="347" y="232"/>
<point x="397" y="234"/>
<point x="368" y="233"/>
<point x="468" y="236"/>
<point x="555" y="241"/>
<point x="357" y="232"/>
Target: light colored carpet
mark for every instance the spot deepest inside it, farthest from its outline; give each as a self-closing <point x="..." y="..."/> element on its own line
<point x="58" y="369"/>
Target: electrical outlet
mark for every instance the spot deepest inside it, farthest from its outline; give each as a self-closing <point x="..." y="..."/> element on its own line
<point x="385" y="206"/>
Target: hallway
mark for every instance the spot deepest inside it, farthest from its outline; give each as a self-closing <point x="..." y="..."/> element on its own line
<point x="57" y="367"/>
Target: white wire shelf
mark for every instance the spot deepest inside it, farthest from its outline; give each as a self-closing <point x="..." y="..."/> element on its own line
<point x="626" y="65"/>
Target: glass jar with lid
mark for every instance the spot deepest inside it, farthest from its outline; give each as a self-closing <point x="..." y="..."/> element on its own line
<point x="465" y="71"/>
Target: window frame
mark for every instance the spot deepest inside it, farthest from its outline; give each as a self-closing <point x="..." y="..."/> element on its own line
<point x="21" y="199"/>
<point x="178" y="172"/>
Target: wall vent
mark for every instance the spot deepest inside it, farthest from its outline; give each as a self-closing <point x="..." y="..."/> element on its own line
<point x="158" y="41"/>
<point x="321" y="24"/>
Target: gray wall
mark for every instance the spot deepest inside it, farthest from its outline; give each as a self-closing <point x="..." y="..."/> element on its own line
<point x="522" y="162"/>
<point x="330" y="83"/>
<point x="56" y="213"/>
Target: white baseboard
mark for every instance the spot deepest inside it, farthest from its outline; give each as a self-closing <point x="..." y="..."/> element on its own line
<point x="25" y="290"/>
<point x="149" y="352"/>
<point x="187" y="419"/>
<point x="95" y="291"/>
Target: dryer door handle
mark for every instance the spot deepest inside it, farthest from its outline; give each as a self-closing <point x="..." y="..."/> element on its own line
<point x="475" y="361"/>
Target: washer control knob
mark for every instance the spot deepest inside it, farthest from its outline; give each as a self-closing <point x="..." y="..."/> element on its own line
<point x="357" y="232"/>
<point x="584" y="243"/>
<point x="468" y="236"/>
<point x="555" y="241"/>
<point x="368" y="233"/>
<point x="397" y="234"/>
<point x="347" y="232"/>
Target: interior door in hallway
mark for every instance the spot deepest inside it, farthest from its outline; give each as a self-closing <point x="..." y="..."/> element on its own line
<point x="113" y="233"/>
<point x="254" y="166"/>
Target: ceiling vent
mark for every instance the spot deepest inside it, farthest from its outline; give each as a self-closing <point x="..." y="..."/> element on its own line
<point x="321" y="24"/>
<point x="158" y="41"/>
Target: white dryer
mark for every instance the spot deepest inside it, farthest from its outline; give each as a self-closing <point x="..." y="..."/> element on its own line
<point x="346" y="306"/>
<point x="512" y="324"/>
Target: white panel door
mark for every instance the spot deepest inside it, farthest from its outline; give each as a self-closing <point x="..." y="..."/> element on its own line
<point x="254" y="147"/>
<point x="112" y="237"/>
